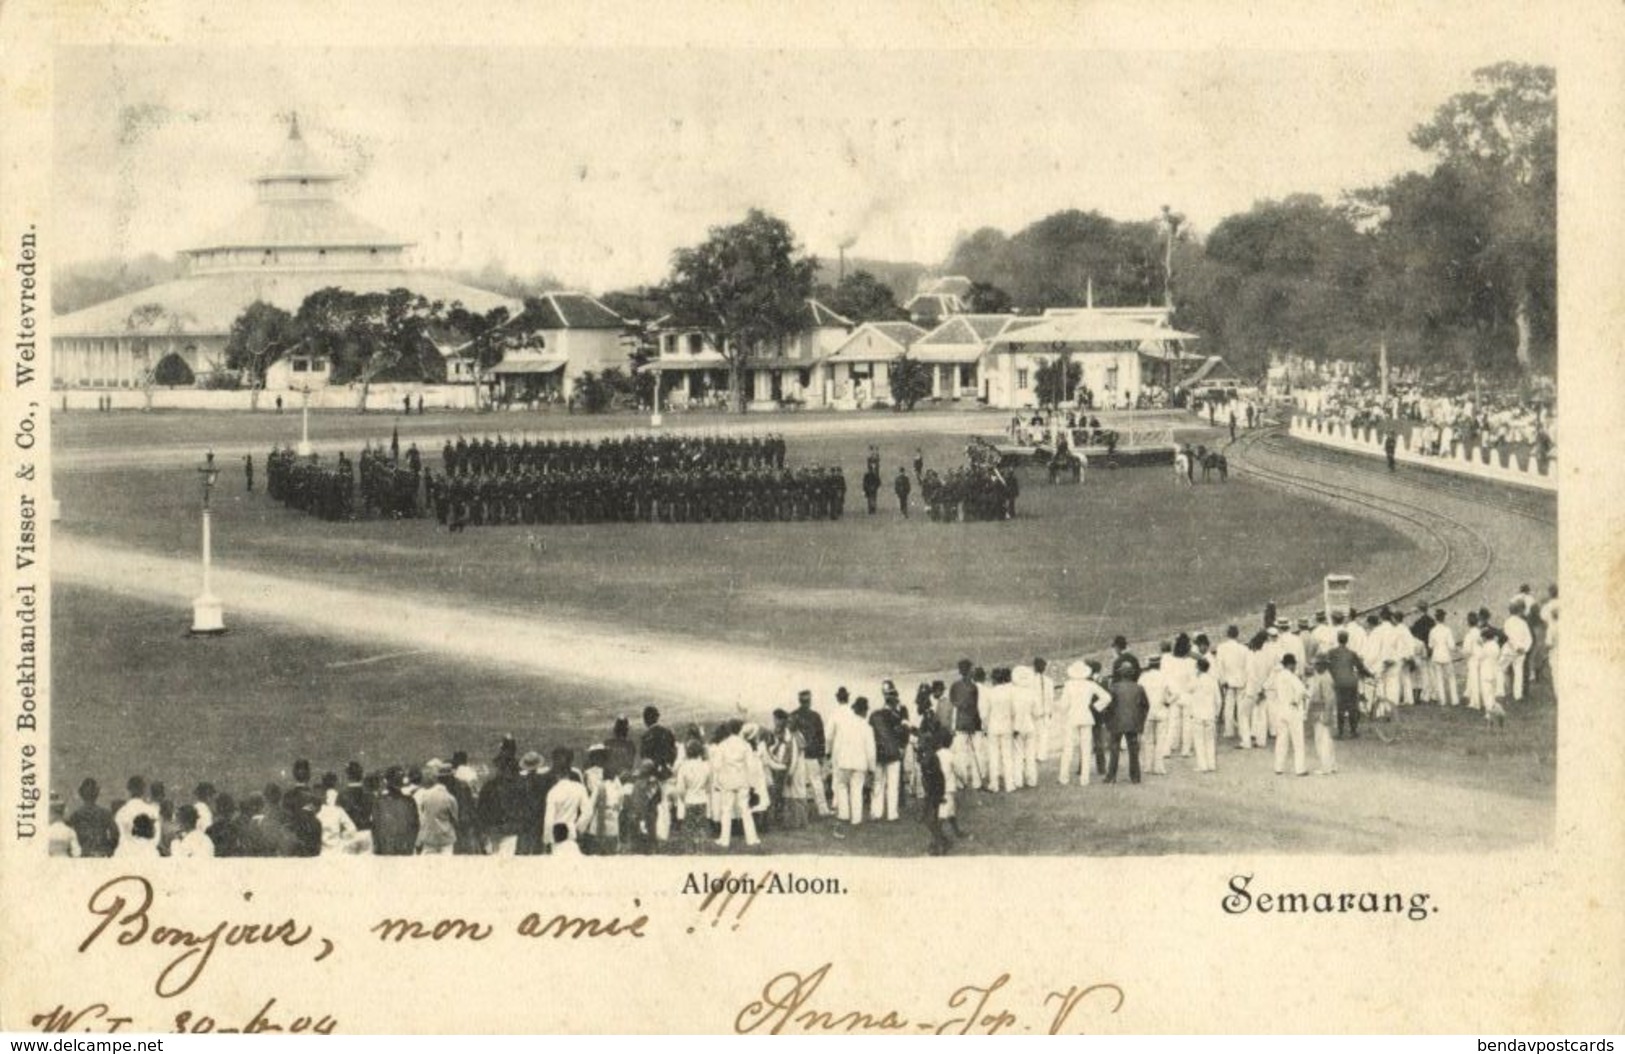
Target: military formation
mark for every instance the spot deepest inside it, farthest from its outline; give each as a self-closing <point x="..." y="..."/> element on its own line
<point x="976" y="490"/>
<point x="632" y="479"/>
<point x="306" y="484"/>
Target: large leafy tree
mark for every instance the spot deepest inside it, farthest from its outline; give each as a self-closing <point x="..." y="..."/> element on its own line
<point x="259" y="336"/>
<point x="862" y="297"/>
<point x="482" y="339"/>
<point x="1284" y="276"/>
<point x="1053" y="262"/>
<point x="910" y="381"/>
<point x="1057" y="380"/>
<point x="745" y="287"/>
<point x="1498" y="143"/>
<point x="985" y="298"/>
<point x="372" y="336"/>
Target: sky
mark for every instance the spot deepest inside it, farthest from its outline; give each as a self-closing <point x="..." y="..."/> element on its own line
<point x="593" y="165"/>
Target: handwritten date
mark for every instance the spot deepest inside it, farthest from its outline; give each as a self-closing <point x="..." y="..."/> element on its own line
<point x="99" y="1017"/>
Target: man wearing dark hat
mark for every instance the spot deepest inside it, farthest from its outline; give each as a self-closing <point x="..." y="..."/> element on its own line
<point x="970" y="748"/>
<point x="530" y="805"/>
<point x="810" y="726"/>
<point x="658" y="744"/>
<point x="1129" y="708"/>
<point x="394" y="818"/>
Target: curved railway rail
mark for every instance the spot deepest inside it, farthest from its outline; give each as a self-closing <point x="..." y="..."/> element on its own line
<point x="1537" y="507"/>
<point x="1466" y="556"/>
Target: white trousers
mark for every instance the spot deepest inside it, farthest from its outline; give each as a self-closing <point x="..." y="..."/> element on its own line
<point x="1027" y="756"/>
<point x="884" y="793"/>
<point x="1002" y="762"/>
<point x="1325" y="750"/>
<point x="736" y="803"/>
<point x="1514" y="661"/>
<point x="814" y="768"/>
<point x="1443" y="683"/>
<point x="970" y="758"/>
<point x="849" y="794"/>
<point x="1289" y="731"/>
<point x="1077" y="748"/>
<point x="1206" y="736"/>
<point x="1231" y="696"/>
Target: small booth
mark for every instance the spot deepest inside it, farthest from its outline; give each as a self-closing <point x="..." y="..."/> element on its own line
<point x="1339" y="593"/>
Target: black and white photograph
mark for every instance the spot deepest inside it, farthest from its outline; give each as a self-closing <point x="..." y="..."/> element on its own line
<point x="726" y="458"/>
<point x="812" y="478"/>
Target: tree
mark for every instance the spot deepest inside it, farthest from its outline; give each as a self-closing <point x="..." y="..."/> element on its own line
<point x="910" y="382"/>
<point x="366" y="335"/>
<point x="481" y="336"/>
<point x="150" y="318"/>
<point x="1054" y="386"/>
<point x="173" y="372"/>
<point x="1501" y="141"/>
<point x="862" y="297"/>
<point x="1283" y="276"/>
<point x="259" y="336"/>
<point x="745" y="288"/>
<point x="1051" y="263"/>
<point x="594" y="393"/>
<point x="985" y="298"/>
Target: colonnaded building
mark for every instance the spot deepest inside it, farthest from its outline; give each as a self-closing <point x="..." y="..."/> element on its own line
<point x="297" y="238"/>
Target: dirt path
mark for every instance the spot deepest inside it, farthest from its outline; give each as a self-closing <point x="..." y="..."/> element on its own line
<point x="693" y="675"/>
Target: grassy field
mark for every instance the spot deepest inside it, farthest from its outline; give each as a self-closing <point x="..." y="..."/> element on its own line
<point x="1127" y="552"/>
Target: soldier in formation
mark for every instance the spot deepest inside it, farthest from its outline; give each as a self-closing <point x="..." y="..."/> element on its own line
<point x="978" y="490"/>
<point x="306" y="484"/>
<point x="646" y="479"/>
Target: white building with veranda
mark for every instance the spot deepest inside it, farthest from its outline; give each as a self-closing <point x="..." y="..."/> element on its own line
<point x="296" y="238"/>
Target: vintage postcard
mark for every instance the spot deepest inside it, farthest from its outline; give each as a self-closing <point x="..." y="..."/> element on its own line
<point x="908" y="518"/>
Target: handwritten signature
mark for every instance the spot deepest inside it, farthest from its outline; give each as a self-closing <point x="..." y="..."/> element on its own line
<point x="126" y="903"/>
<point x="786" y="1005"/>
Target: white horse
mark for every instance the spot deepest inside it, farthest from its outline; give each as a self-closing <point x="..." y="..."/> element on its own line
<point x="1181" y="468"/>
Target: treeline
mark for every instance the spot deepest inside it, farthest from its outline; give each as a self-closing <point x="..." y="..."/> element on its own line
<point x="1455" y="266"/>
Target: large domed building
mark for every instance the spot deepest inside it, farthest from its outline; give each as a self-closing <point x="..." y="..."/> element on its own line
<point x="295" y="239"/>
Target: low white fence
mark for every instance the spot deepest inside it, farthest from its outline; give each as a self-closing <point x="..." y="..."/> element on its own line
<point x="1519" y="467"/>
<point x="382" y="397"/>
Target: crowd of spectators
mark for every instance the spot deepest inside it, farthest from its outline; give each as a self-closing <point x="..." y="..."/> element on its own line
<point x="1442" y="422"/>
<point x="689" y="790"/>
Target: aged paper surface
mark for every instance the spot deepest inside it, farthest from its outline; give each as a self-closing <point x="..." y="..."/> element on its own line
<point x="1497" y="936"/>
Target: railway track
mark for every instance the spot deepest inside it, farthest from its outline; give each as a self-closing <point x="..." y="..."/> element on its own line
<point x="1466" y="557"/>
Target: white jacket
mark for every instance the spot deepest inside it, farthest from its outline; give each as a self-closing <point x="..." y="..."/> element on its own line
<point x="1232" y="663"/>
<point x="851" y="742"/>
<point x="1082" y="697"/>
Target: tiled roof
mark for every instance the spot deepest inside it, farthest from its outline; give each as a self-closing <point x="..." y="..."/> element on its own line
<point x="822" y="315"/>
<point x="971" y="329"/>
<point x="1088" y="328"/>
<point x="877" y="341"/>
<point x="207" y="304"/>
<point x="574" y="311"/>
<point x="320" y="223"/>
<point x="1213" y="369"/>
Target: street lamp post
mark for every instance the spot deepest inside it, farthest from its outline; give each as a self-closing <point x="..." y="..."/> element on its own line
<point x="304" y="424"/>
<point x="208" y="615"/>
